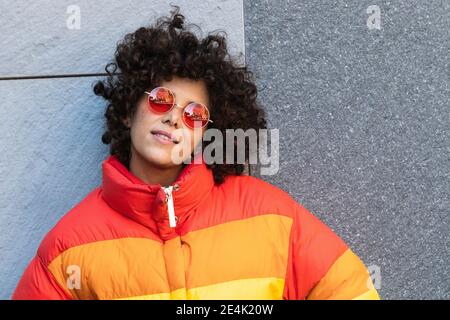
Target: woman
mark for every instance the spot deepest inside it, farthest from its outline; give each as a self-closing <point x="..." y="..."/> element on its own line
<point x="157" y="228"/>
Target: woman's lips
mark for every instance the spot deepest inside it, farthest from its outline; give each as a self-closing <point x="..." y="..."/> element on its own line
<point x="164" y="137"/>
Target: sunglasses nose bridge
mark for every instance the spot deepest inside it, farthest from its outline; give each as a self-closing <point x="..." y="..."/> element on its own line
<point x="176" y="105"/>
<point x="174" y="115"/>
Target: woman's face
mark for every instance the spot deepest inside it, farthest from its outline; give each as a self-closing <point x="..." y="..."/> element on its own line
<point x="147" y="145"/>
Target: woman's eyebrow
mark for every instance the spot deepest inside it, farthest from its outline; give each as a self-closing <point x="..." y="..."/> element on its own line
<point x="189" y="99"/>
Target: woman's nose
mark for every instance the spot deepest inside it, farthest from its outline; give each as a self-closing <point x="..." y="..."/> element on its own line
<point x="175" y="116"/>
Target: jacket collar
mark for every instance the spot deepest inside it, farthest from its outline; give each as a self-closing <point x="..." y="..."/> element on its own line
<point x="147" y="203"/>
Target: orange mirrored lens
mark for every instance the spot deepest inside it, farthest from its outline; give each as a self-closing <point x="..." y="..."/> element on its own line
<point x="196" y="112"/>
<point x="160" y="100"/>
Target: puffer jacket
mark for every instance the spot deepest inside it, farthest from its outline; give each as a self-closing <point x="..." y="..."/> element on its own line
<point x="243" y="239"/>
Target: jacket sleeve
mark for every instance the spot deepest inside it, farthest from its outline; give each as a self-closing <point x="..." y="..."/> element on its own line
<point x="38" y="283"/>
<point x="321" y="266"/>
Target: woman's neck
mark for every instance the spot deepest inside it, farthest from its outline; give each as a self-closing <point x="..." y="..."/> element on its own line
<point x="151" y="174"/>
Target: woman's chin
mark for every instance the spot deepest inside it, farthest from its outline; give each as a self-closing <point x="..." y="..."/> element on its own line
<point x="162" y="157"/>
<point x="157" y="158"/>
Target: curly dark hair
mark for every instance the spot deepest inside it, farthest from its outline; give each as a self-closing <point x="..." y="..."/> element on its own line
<point x="156" y="53"/>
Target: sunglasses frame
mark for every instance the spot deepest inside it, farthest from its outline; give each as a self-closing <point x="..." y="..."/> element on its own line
<point x="177" y="105"/>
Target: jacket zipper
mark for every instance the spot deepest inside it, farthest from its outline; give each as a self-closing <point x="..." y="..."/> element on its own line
<point x="170" y="208"/>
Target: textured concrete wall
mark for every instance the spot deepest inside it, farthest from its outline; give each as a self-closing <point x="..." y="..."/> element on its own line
<point x="50" y="131"/>
<point x="364" y="119"/>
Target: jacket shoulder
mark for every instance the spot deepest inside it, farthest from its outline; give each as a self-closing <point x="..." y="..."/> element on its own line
<point x="90" y="220"/>
<point x="258" y="195"/>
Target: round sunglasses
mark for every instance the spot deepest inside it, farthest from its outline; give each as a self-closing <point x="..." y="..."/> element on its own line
<point x="162" y="100"/>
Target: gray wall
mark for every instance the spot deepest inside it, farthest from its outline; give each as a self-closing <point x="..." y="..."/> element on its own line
<point x="363" y="118"/>
<point x="364" y="121"/>
<point x="51" y="150"/>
